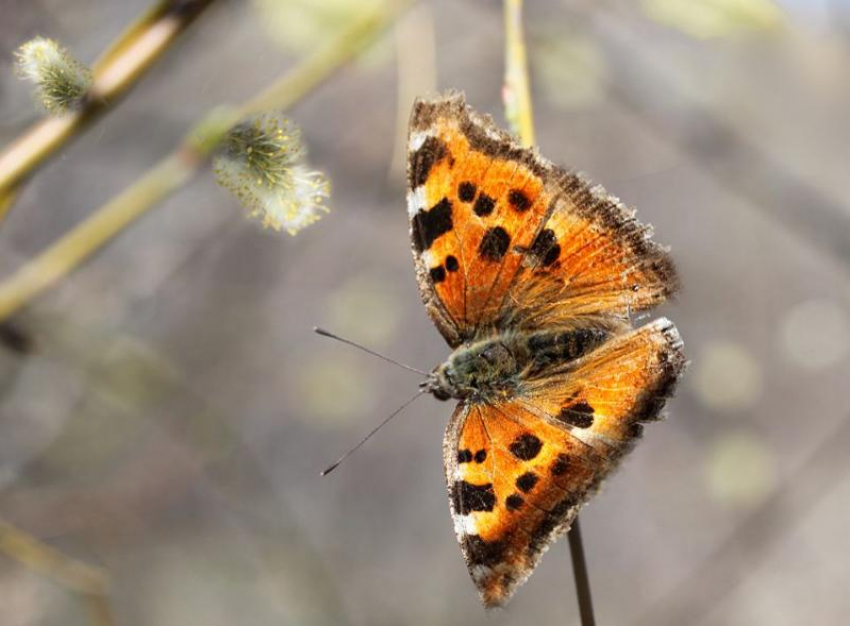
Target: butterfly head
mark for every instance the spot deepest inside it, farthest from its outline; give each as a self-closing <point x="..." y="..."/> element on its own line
<point x="439" y="383"/>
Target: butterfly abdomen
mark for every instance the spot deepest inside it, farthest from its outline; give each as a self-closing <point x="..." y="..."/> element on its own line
<point x="555" y="347"/>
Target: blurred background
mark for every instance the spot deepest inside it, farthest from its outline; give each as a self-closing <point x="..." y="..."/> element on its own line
<point x="167" y="409"/>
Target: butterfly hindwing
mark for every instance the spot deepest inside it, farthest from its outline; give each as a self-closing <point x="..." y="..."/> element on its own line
<point x="519" y="470"/>
<point x="505" y="507"/>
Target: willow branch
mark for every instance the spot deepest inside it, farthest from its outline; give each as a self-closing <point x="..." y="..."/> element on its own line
<point x="115" y="72"/>
<point x="72" y="249"/>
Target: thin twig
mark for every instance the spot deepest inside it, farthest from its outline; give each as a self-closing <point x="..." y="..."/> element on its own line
<point x="516" y="91"/>
<point x="585" y="602"/>
<point x="416" y="74"/>
<point x="86" y="238"/>
<point x="517" y="98"/>
<point x="119" y="68"/>
<point x="182" y="164"/>
<point x="90" y="582"/>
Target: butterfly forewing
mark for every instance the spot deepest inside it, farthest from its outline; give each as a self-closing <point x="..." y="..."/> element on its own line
<point x="592" y="258"/>
<point x="473" y="208"/>
<point x="503" y="237"/>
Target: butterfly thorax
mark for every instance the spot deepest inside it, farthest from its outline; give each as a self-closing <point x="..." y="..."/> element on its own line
<point x="495" y="368"/>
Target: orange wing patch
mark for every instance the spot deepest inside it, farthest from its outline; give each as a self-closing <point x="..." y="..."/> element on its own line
<point x="604" y="396"/>
<point x="519" y="471"/>
<point x="592" y="258"/>
<point x="514" y="480"/>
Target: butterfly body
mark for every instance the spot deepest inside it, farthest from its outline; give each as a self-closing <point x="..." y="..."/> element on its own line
<point x="531" y="275"/>
<point x="494" y="368"/>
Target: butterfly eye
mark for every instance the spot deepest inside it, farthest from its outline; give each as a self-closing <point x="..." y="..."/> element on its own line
<point x="440" y="394"/>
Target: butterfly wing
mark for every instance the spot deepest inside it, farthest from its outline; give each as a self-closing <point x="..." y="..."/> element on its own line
<point x="473" y="197"/>
<point x="485" y="211"/>
<point x="592" y="259"/>
<point x="518" y="471"/>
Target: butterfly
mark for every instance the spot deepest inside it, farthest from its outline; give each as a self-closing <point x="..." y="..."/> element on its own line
<point x="531" y="275"/>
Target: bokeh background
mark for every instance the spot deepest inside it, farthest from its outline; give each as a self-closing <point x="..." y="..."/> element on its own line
<point x="170" y="418"/>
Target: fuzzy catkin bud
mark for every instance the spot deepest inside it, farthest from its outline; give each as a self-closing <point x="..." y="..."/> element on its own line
<point x="261" y="163"/>
<point x="61" y="82"/>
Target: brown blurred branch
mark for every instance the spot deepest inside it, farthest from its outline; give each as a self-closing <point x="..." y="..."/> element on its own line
<point x="91" y="583"/>
<point x="115" y="72"/>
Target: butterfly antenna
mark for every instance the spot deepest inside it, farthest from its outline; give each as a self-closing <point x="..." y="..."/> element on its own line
<point x="336" y="463"/>
<point x="326" y="333"/>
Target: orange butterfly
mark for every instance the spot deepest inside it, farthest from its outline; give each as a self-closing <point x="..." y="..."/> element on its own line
<point x="531" y="275"/>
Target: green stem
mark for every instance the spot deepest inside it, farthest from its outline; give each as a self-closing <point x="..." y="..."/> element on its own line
<point x="517" y="91"/>
<point x="72" y="249"/>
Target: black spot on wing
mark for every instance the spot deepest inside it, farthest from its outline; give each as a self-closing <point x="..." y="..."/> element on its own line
<point x="519" y="201"/>
<point x="652" y="400"/>
<point x="438" y="274"/>
<point x="541" y="535"/>
<point x="545" y="247"/>
<point x="467" y="497"/>
<point x="480" y="552"/>
<point x="561" y="465"/>
<point x="579" y="415"/>
<point x="514" y="502"/>
<point x="429" y="225"/>
<point x="464" y="456"/>
<point x="481" y="456"/>
<point x="526" y="447"/>
<point x="451" y="263"/>
<point x="431" y="152"/>
<point x="495" y="243"/>
<point x="484" y="205"/>
<point x="466" y="192"/>
<point x="526" y="482"/>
